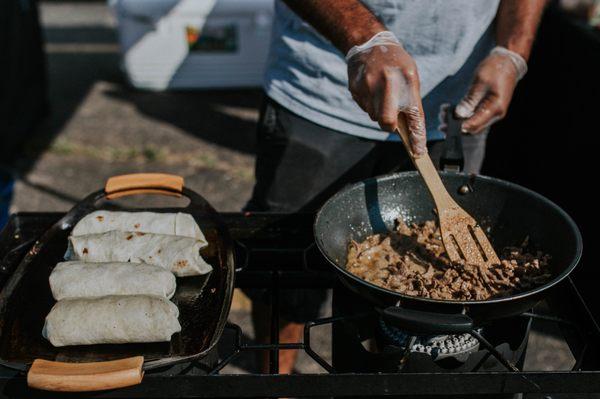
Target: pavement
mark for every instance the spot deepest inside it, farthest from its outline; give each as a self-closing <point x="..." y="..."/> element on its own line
<point x="99" y="126"/>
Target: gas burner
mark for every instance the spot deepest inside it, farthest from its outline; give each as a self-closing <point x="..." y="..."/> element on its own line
<point x="457" y="346"/>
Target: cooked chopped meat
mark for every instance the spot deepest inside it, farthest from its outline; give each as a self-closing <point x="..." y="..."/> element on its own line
<point x="412" y="260"/>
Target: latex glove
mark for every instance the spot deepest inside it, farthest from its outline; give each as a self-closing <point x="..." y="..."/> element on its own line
<point x="383" y="80"/>
<point x="489" y="96"/>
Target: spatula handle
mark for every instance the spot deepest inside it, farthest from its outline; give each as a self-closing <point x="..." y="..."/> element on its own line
<point x="143" y="183"/>
<point x="83" y="377"/>
<point x="426" y="169"/>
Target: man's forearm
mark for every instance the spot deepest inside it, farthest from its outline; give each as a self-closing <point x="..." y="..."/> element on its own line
<point x="517" y="24"/>
<point x="345" y="23"/>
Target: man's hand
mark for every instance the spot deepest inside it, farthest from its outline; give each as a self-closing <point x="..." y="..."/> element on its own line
<point x="383" y="80"/>
<point x="497" y="75"/>
<point x="492" y="89"/>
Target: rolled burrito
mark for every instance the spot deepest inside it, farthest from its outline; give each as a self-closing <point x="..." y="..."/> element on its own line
<point x="78" y="279"/>
<point x="111" y="320"/>
<point x="176" y="224"/>
<point x="180" y="255"/>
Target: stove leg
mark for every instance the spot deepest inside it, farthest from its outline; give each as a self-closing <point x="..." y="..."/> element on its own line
<point x="490" y="348"/>
<point x="410" y="342"/>
<point x="274" y="355"/>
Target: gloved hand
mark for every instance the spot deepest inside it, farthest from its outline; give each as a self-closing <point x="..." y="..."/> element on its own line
<point x="492" y="89"/>
<point x="383" y="80"/>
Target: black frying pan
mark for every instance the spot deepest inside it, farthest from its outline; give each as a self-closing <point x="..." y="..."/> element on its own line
<point x="513" y="213"/>
<point x="203" y="301"/>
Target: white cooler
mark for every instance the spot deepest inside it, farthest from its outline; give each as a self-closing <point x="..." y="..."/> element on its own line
<point x="190" y="44"/>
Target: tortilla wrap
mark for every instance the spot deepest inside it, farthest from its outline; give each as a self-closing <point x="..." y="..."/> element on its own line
<point x="176" y="224"/>
<point x="180" y="255"/>
<point x="111" y="320"/>
<point x="79" y="279"/>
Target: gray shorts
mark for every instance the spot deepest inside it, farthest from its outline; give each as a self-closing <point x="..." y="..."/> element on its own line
<point x="299" y="165"/>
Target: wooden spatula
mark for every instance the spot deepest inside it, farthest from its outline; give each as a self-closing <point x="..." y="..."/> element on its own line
<point x="462" y="236"/>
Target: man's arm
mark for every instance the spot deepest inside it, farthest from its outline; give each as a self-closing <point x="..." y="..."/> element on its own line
<point x="517" y="24"/>
<point x="497" y="76"/>
<point x="346" y="23"/>
<point x="382" y="76"/>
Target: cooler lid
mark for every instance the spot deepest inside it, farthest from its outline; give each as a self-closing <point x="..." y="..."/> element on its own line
<point x="156" y="9"/>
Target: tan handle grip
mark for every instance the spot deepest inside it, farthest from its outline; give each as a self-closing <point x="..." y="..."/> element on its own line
<point x="426" y="168"/>
<point x="143" y="183"/>
<point x="81" y="377"/>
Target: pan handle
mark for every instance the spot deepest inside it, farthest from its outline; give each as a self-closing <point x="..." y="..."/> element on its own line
<point x="81" y="377"/>
<point x="143" y="183"/>
<point x="427" y="323"/>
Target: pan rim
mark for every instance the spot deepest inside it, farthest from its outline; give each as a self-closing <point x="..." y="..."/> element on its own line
<point x="560" y="277"/>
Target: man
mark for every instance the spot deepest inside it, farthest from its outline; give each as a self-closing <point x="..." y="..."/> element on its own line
<point x="340" y="72"/>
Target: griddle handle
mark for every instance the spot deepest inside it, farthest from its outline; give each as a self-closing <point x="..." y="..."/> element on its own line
<point x="427" y="323"/>
<point x="85" y="377"/>
<point x="143" y="183"/>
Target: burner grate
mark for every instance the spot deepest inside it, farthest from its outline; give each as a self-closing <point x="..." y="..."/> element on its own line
<point x="457" y="346"/>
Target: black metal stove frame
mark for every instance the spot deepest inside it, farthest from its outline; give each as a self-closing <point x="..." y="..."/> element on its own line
<point x="277" y="251"/>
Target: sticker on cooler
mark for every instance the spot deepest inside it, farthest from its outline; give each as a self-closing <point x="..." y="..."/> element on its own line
<point x="212" y="38"/>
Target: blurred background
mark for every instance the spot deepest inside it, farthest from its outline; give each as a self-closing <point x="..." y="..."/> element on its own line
<point x="91" y="89"/>
<point x="83" y="96"/>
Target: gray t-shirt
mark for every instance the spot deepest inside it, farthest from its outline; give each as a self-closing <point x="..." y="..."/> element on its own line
<point x="447" y="39"/>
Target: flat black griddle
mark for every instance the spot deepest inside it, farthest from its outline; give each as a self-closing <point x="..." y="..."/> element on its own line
<point x="203" y="301"/>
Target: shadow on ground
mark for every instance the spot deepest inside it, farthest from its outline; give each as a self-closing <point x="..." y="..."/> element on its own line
<point x="83" y="58"/>
<point x="79" y="57"/>
<point x="216" y="116"/>
<point x="71" y="74"/>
